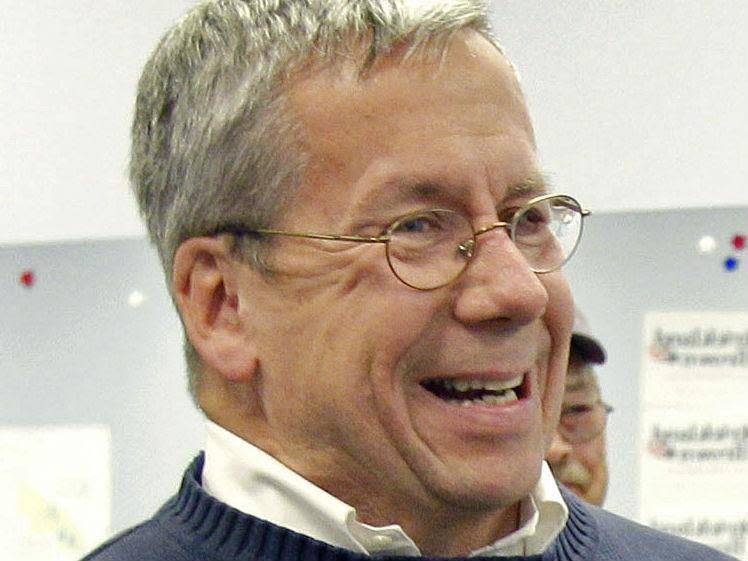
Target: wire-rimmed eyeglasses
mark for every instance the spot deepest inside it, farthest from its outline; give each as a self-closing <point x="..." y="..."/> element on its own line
<point x="430" y="248"/>
<point x="583" y="422"/>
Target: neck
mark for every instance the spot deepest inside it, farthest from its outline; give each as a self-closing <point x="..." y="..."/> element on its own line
<point x="440" y="530"/>
<point x="438" y="526"/>
<point x="453" y="536"/>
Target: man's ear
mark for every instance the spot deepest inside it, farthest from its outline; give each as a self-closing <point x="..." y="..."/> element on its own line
<point x="205" y="284"/>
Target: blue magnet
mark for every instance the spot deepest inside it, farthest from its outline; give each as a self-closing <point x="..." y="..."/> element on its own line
<point x="731" y="264"/>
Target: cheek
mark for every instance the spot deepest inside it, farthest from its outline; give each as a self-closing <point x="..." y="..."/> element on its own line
<point x="355" y="312"/>
<point x="369" y="329"/>
<point x="592" y="455"/>
<point x="558" y="319"/>
<point x="559" y="315"/>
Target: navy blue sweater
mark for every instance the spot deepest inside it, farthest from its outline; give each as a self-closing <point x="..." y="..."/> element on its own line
<point x="193" y="526"/>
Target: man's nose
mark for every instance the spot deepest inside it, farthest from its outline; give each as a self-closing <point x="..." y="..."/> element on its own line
<point x="499" y="284"/>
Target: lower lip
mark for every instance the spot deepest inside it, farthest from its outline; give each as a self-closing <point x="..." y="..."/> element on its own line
<point x="508" y="418"/>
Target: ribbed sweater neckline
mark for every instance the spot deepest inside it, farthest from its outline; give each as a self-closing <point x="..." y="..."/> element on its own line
<point x="211" y="530"/>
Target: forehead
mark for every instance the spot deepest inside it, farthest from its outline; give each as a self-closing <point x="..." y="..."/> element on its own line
<point x="581" y="381"/>
<point x="411" y="128"/>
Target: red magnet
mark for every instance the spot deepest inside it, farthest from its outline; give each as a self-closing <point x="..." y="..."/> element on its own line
<point x="738" y="242"/>
<point x="27" y="279"/>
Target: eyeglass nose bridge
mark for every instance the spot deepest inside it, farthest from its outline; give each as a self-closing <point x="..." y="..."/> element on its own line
<point x="467" y="248"/>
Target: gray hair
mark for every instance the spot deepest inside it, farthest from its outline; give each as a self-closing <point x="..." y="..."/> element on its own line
<point x="212" y="140"/>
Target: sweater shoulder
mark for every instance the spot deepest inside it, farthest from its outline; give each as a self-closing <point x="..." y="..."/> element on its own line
<point x="623" y="539"/>
<point x="145" y="542"/>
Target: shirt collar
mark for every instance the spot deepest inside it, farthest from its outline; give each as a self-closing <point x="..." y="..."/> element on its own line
<point x="542" y="517"/>
<point x="250" y="480"/>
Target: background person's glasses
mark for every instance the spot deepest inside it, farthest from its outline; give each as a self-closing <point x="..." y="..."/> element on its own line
<point x="430" y="248"/>
<point x="582" y="422"/>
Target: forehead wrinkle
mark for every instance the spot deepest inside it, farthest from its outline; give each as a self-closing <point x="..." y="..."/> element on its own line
<point x="406" y="190"/>
<point x="579" y="385"/>
<point x="583" y="379"/>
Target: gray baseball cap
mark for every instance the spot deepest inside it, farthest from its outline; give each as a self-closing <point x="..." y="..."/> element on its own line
<point x="582" y="341"/>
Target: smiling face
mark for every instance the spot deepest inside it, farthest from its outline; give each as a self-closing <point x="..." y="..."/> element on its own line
<point x="389" y="397"/>
<point x="582" y="466"/>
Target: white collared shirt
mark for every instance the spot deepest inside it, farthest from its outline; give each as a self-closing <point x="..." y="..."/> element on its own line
<point x="250" y="480"/>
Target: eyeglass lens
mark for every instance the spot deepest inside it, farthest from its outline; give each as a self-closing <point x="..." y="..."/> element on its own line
<point x="581" y="423"/>
<point x="547" y="232"/>
<point x="423" y="250"/>
<point x="431" y="248"/>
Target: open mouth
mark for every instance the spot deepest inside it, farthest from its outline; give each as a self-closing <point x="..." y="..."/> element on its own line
<point x="469" y="391"/>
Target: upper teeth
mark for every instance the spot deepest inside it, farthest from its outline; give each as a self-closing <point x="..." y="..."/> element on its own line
<point x="463" y="385"/>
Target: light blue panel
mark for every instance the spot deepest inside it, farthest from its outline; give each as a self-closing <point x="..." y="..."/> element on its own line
<point x="73" y="351"/>
<point x="632" y="263"/>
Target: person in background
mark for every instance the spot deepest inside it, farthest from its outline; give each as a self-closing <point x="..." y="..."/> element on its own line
<point x="366" y="258"/>
<point x="577" y="455"/>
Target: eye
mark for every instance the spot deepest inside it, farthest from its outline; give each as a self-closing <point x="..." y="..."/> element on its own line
<point x="414" y="225"/>
<point x="576" y="410"/>
<point x="533" y="220"/>
<point x="434" y="234"/>
<point x="507" y="215"/>
<point x="424" y="223"/>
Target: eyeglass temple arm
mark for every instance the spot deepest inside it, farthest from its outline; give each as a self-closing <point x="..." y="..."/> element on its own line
<point x="334" y="237"/>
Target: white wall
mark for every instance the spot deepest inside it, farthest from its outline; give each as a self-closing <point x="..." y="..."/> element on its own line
<point x="637" y="104"/>
<point x="69" y="72"/>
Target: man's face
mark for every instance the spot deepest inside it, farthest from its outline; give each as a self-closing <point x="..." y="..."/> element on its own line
<point x="346" y="350"/>
<point x="581" y="466"/>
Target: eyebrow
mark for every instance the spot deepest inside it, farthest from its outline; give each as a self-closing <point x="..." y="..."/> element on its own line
<point x="403" y="190"/>
<point x="399" y="191"/>
<point x="534" y="186"/>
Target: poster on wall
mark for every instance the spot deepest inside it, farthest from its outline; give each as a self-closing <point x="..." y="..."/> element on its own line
<point x="56" y="489"/>
<point x="694" y="431"/>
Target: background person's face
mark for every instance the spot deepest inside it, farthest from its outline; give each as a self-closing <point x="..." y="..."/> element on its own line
<point x="345" y="348"/>
<point x="582" y="467"/>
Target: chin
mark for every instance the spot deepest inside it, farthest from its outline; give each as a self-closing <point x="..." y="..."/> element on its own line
<point x="483" y="487"/>
<point x="594" y="497"/>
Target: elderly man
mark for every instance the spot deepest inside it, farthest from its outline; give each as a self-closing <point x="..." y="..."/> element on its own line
<point x="355" y="228"/>
<point x="577" y="456"/>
